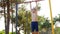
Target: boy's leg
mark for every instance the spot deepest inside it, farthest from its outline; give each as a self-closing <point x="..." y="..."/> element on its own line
<point x="36" y="27"/>
<point x="32" y="27"/>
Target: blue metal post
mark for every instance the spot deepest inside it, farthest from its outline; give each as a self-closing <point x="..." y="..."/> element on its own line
<point x="16" y="17"/>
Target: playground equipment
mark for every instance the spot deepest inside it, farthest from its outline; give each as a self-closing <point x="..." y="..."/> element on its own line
<point x="51" y="17"/>
<point x="30" y="7"/>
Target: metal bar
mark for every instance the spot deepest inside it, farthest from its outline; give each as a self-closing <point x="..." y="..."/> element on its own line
<point x="16" y="16"/>
<point x="23" y="2"/>
<point x="30" y="5"/>
<point x="51" y="16"/>
<point x="27" y="2"/>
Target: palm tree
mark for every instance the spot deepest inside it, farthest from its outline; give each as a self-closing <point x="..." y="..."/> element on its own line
<point x="3" y="5"/>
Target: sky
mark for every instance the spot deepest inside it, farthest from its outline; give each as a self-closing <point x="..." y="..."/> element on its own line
<point x="44" y="11"/>
<point x="45" y="8"/>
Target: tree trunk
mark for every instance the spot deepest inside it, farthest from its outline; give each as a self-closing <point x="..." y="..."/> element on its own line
<point x="4" y="15"/>
<point x="8" y="17"/>
<point x="12" y="17"/>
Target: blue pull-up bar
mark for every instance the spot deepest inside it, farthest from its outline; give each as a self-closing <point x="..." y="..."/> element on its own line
<point x="16" y="17"/>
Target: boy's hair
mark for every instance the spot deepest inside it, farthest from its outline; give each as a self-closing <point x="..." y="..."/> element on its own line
<point x="34" y="9"/>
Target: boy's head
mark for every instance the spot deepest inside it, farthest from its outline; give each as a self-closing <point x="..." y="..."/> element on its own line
<point x="34" y="10"/>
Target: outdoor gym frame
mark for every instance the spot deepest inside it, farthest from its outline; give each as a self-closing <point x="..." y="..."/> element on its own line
<point x="17" y="9"/>
<point x="50" y="11"/>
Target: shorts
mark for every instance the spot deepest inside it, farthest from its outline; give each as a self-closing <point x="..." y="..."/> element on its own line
<point x="34" y="26"/>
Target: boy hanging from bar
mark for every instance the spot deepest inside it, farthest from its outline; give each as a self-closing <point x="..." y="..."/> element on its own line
<point x="34" y="23"/>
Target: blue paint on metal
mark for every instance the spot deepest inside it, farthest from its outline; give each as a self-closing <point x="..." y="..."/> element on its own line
<point x="16" y="17"/>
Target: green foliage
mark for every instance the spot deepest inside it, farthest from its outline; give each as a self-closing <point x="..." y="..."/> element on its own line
<point x="13" y="33"/>
<point x="41" y="20"/>
<point x="46" y="24"/>
<point x="23" y="16"/>
<point x="56" y="18"/>
<point x="2" y="32"/>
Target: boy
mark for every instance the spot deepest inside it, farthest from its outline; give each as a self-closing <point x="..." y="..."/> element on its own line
<point x="34" y="23"/>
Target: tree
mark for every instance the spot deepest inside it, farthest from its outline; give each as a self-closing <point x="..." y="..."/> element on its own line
<point x="41" y="20"/>
<point x="46" y="24"/>
<point x="56" y="18"/>
<point x="22" y="18"/>
<point x="3" y="4"/>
